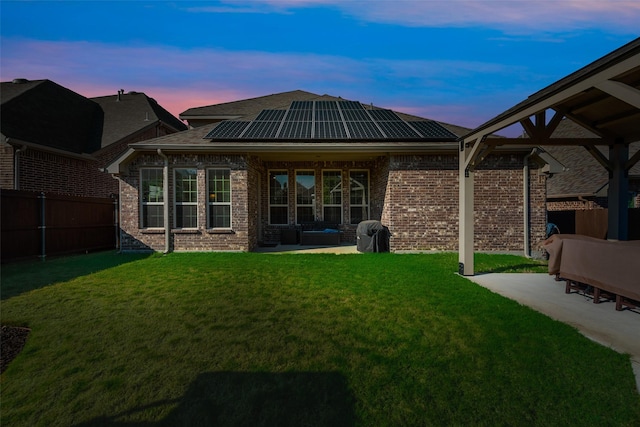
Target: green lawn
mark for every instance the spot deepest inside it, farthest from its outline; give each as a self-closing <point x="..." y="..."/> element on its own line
<point x="321" y="339"/>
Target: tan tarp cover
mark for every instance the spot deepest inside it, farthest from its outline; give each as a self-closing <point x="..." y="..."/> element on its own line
<point x="611" y="266"/>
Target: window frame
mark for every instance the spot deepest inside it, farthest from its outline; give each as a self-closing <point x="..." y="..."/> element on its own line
<point x="366" y="205"/>
<point x="142" y="203"/>
<point x="314" y="198"/>
<point x="177" y="203"/>
<point x="333" y="205"/>
<point x="277" y="205"/>
<point x="216" y="203"/>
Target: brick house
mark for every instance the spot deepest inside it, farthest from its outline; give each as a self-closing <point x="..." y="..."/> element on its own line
<point x="56" y="141"/>
<point x="249" y="170"/>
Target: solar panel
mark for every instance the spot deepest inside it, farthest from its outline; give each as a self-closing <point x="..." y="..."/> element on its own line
<point x="295" y="130"/>
<point x="262" y="130"/>
<point x="431" y="129"/>
<point x="350" y="105"/>
<point x="299" y="116"/>
<point x="301" y="105"/>
<point x="364" y="130"/>
<point x="328" y="116"/>
<point x="398" y="129"/>
<point x="227" y="129"/>
<point x="271" y="115"/>
<point x="326" y="105"/>
<point x="356" y="115"/>
<point x="336" y="120"/>
<point x="329" y="130"/>
<point x="384" y="115"/>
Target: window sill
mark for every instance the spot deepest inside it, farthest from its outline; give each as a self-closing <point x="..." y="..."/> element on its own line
<point x="152" y="230"/>
<point x="185" y="231"/>
<point x="220" y="231"/>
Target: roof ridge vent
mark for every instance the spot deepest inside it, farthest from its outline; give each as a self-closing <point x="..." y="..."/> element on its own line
<point x="19" y="81"/>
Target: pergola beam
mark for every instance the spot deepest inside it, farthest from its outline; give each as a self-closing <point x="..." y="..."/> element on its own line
<point x="560" y="97"/>
<point x="597" y="154"/>
<point x="622" y="91"/>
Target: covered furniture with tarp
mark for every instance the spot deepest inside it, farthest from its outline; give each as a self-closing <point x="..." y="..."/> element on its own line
<point x="605" y="266"/>
<point x="372" y="236"/>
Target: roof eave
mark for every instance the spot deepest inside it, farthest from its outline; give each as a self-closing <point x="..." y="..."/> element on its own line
<point x="608" y="67"/>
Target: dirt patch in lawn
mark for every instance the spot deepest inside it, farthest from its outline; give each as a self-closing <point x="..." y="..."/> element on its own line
<point x="12" y="340"/>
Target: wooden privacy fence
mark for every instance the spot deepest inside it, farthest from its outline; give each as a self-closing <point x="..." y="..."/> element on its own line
<point x="592" y="222"/>
<point x="40" y="225"/>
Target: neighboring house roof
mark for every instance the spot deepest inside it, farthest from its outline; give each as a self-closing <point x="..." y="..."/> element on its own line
<point x="44" y="113"/>
<point x="584" y="175"/>
<point x="129" y="113"/>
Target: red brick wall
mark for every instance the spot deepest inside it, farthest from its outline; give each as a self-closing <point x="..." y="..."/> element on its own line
<point x="421" y="207"/>
<point x="201" y="239"/>
<point x="415" y="196"/>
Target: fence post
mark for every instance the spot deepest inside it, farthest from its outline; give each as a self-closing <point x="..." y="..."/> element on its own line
<point x="42" y="227"/>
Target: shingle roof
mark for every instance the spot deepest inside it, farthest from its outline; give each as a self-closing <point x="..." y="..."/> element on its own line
<point x="130" y="113"/>
<point x="248" y="108"/>
<point x="584" y="175"/>
<point x="329" y="120"/>
<point x="45" y="113"/>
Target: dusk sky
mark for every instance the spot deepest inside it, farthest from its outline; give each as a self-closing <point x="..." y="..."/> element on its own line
<point x="457" y="61"/>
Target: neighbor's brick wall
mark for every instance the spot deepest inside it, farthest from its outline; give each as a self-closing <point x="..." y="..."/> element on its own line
<point x="577" y="205"/>
<point x="53" y="173"/>
<point x="6" y="166"/>
<point x="202" y="238"/>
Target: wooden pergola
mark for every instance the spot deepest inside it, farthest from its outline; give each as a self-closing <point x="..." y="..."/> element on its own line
<point x="603" y="97"/>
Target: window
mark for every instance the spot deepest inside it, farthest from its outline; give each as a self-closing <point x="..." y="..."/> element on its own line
<point x="278" y="197"/>
<point x="186" y="205"/>
<point x="305" y="196"/>
<point x="219" y="193"/>
<point x="332" y="196"/>
<point x="359" y="195"/>
<point x="151" y="198"/>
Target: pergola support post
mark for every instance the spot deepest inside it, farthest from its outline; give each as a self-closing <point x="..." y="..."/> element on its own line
<point x="618" y="192"/>
<point x="465" y="239"/>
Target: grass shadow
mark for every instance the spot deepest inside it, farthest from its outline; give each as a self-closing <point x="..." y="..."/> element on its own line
<point x="252" y="399"/>
<point x="20" y="277"/>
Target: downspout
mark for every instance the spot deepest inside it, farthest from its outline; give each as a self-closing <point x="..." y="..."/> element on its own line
<point x="525" y="196"/>
<point x="165" y="197"/>
<point x="16" y="166"/>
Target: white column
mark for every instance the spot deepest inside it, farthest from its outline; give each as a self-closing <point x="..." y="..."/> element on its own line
<point x="465" y="223"/>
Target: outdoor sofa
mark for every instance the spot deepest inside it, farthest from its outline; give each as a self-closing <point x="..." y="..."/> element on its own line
<point x="319" y="233"/>
<point x="611" y="267"/>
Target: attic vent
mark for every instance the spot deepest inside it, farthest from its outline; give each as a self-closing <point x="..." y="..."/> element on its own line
<point x="19" y="81"/>
<point x="132" y="92"/>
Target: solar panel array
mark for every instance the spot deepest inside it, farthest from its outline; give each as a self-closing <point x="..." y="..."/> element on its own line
<point x="329" y="120"/>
